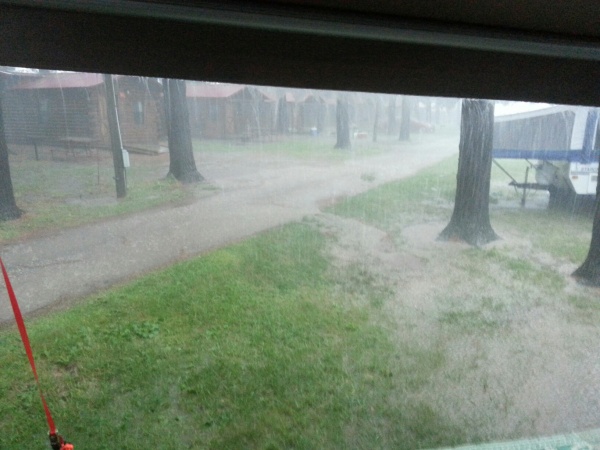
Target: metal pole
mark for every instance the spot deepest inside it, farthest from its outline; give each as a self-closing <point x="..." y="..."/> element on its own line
<point x="115" y="136"/>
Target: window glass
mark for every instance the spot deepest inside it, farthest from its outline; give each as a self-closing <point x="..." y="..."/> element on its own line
<point x="238" y="266"/>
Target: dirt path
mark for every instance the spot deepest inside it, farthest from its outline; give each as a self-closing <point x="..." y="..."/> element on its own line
<point x="254" y="194"/>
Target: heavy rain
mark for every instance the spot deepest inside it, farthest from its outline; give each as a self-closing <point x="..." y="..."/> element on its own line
<point x="239" y="266"/>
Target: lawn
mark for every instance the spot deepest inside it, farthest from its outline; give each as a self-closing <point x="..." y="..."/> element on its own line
<point x="274" y="343"/>
<point x="59" y="191"/>
<point x="512" y="325"/>
<point x="249" y="347"/>
<point x="430" y="196"/>
<point x="320" y="148"/>
<point x="61" y="194"/>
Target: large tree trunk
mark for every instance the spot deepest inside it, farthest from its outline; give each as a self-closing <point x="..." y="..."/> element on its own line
<point x="405" y="119"/>
<point x="342" y="124"/>
<point x="589" y="271"/>
<point x="470" y="220"/>
<point x="181" y="154"/>
<point x="8" y="205"/>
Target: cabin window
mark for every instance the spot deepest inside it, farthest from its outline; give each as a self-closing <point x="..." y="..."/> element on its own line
<point x="336" y="296"/>
<point x="138" y="112"/>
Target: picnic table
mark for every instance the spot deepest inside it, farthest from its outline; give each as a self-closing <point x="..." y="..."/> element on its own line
<point x="69" y="143"/>
<point x="76" y="142"/>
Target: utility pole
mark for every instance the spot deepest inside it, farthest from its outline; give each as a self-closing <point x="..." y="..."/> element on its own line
<point x="115" y="136"/>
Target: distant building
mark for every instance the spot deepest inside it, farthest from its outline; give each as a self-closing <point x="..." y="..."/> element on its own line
<point x="311" y="113"/>
<point x="286" y="110"/>
<point x="229" y="111"/>
<point x="59" y="106"/>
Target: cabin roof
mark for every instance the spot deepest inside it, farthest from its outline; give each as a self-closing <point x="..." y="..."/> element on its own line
<point x="212" y="90"/>
<point x="526" y="110"/>
<point x="62" y="81"/>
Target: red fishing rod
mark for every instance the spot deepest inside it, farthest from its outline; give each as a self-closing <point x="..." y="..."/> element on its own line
<point x="56" y="440"/>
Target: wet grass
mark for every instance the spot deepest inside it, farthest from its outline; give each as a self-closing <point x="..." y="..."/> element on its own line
<point x="470" y="321"/>
<point x="429" y="197"/>
<point x="586" y="309"/>
<point x="61" y="191"/>
<point x="252" y="346"/>
<point x="478" y="301"/>
<point x="364" y="286"/>
<point x="263" y="345"/>
<point x="517" y="269"/>
<point x="560" y="233"/>
<point x="319" y="148"/>
<point x="393" y="206"/>
<point x="55" y="195"/>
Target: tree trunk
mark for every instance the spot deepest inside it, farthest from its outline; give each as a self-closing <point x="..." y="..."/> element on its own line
<point x="589" y="271"/>
<point x="342" y="124"/>
<point x="8" y="205"/>
<point x="181" y="154"/>
<point x="283" y="121"/>
<point x="405" y="119"/>
<point x="470" y="220"/>
<point x="321" y="117"/>
<point x="392" y="116"/>
<point x="428" y="111"/>
<point x="376" y="120"/>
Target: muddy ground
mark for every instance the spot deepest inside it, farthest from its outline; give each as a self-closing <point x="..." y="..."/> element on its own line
<point x="515" y="365"/>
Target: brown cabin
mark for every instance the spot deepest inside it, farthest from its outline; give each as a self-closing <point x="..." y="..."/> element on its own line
<point x="229" y="111"/>
<point x="311" y="114"/>
<point x="63" y="105"/>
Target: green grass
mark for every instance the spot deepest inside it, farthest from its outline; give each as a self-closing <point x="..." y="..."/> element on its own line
<point x="300" y="147"/>
<point x="249" y="347"/>
<point x="561" y="234"/>
<point x="547" y="229"/>
<point x="265" y="344"/>
<point x="395" y="205"/>
<point x="59" y="193"/>
<point x="56" y="195"/>
<point x="517" y="286"/>
<point x="429" y="197"/>
<point x="516" y="268"/>
<point x="586" y="310"/>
